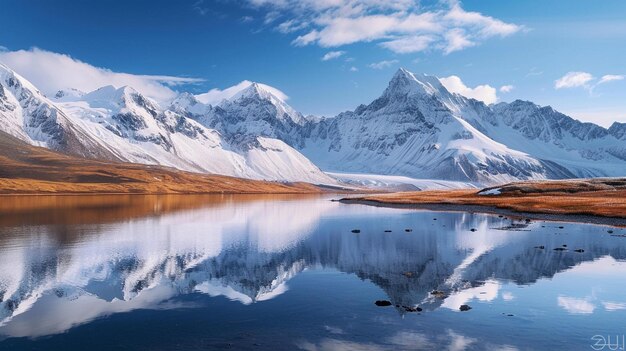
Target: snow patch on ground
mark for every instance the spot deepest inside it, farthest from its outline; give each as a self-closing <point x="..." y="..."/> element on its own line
<point x="378" y="181"/>
<point x="494" y="191"/>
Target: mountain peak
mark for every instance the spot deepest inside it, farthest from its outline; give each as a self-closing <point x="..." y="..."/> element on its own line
<point x="187" y="102"/>
<point x="406" y="82"/>
<point x="256" y="90"/>
<point x="618" y="130"/>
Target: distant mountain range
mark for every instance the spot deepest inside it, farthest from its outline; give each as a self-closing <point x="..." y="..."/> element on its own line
<point x="417" y="128"/>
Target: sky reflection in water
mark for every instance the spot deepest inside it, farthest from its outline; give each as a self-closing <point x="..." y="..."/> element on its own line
<point x="280" y="272"/>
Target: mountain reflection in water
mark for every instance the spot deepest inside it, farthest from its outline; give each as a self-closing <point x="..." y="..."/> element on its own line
<point x="66" y="261"/>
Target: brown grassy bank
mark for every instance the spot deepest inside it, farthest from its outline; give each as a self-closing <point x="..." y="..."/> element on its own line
<point x="586" y="197"/>
<point x="25" y="169"/>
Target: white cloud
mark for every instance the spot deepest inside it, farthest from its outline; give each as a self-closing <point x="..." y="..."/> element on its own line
<point x="410" y="44"/>
<point x="401" y="26"/>
<point x="487" y="26"/>
<point x="456" y="40"/>
<point x="614" y="306"/>
<point x="506" y="88"/>
<point x="246" y="19"/>
<point x="333" y="55"/>
<point x="306" y="39"/>
<point x="51" y="72"/>
<point x="610" y="78"/>
<point x="271" y="17"/>
<point x="584" y="79"/>
<point x="215" y="96"/>
<point x="576" y="306"/>
<point x="573" y="80"/>
<point x="354" y="69"/>
<point x="290" y="26"/>
<point x="484" y="93"/>
<point x="383" y="64"/>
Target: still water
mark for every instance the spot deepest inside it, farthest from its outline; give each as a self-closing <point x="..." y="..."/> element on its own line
<point x="288" y="273"/>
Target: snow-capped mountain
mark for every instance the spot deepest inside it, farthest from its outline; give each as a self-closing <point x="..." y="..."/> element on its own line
<point x="255" y="111"/>
<point x="618" y="130"/>
<point x="417" y="129"/>
<point x="583" y="149"/>
<point x="28" y="115"/>
<point x="121" y="124"/>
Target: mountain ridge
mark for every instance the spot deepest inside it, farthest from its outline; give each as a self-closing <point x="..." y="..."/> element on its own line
<point x="416" y="128"/>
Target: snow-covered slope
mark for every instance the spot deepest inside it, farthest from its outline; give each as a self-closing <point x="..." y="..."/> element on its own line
<point x="121" y="124"/>
<point x="255" y="111"/>
<point x="28" y="115"/>
<point x="398" y="183"/>
<point x="584" y="149"/>
<point x="141" y="132"/>
<point x="414" y="130"/>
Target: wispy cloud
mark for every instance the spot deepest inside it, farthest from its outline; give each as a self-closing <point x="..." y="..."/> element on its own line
<point x="573" y="80"/>
<point x="534" y="72"/>
<point x="506" y="88"/>
<point x="51" y="71"/>
<point x="610" y="78"/>
<point x="290" y="26"/>
<point x="401" y="26"/>
<point x="333" y="55"/>
<point x="383" y="64"/>
<point x="585" y="80"/>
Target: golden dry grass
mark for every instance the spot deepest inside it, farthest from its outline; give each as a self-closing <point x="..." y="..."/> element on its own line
<point x="596" y="197"/>
<point x="25" y="169"/>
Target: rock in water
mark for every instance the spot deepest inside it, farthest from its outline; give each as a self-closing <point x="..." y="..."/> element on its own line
<point x="464" y="308"/>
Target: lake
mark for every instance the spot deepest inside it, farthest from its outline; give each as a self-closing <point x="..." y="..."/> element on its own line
<point x="181" y="272"/>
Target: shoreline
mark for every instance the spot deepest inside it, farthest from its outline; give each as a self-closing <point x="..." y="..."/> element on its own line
<point x="494" y="210"/>
<point x="164" y="193"/>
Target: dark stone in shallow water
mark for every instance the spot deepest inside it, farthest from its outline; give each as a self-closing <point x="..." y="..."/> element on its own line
<point x="439" y="294"/>
<point x="473" y="230"/>
<point x="387" y="231"/>
<point x="412" y="309"/>
<point x="561" y="227"/>
<point x="464" y="308"/>
<point x="560" y="249"/>
<point x="356" y="231"/>
<point x="579" y="250"/>
<point x="540" y="247"/>
<point x="382" y="303"/>
<point x="609" y="231"/>
<point x="408" y="230"/>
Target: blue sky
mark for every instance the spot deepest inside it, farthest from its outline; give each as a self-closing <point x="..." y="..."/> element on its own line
<point x="550" y="52"/>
